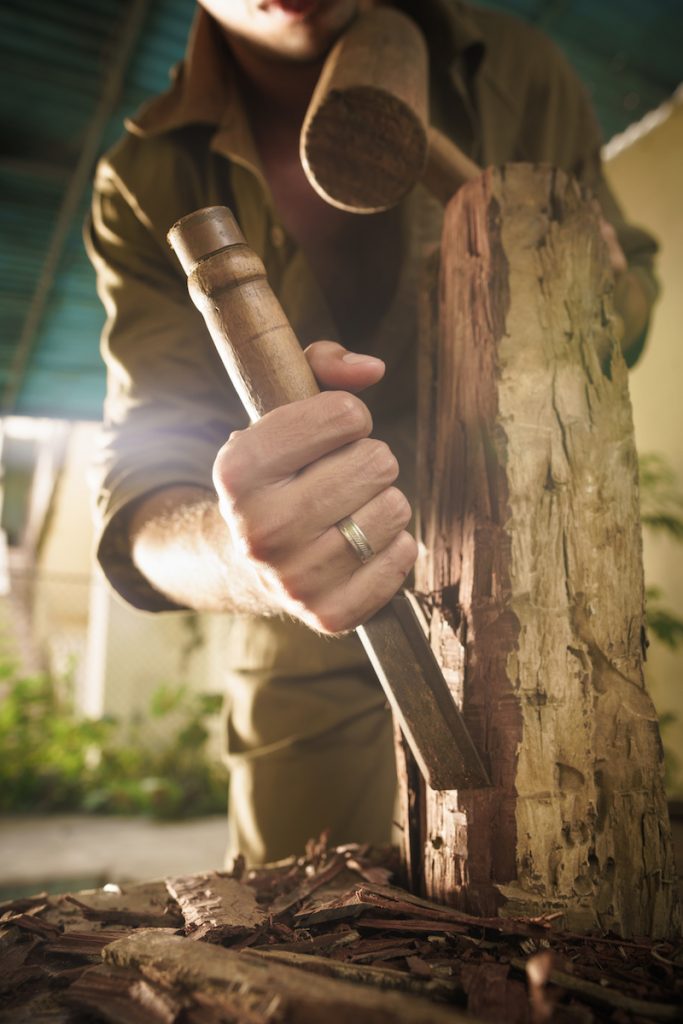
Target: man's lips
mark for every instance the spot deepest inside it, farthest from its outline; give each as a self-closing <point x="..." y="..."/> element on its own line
<point x="301" y="8"/>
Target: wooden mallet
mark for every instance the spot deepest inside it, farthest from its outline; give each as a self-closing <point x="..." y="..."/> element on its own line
<point x="366" y="138"/>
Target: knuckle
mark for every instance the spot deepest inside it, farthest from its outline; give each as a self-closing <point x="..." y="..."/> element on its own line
<point x="229" y="467"/>
<point x="383" y="462"/>
<point x="333" y="620"/>
<point x="296" y="586"/>
<point x="396" y="507"/>
<point x="350" y="416"/>
<point x="255" y="543"/>
<point x="406" y="550"/>
<point x="262" y="539"/>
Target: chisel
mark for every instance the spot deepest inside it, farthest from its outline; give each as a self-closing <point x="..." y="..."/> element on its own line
<point x="267" y="366"/>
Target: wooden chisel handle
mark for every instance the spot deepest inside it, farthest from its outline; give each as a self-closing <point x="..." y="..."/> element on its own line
<point x="227" y="283"/>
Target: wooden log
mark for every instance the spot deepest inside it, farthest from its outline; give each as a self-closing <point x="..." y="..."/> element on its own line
<point x="252" y="980"/>
<point x="531" y="571"/>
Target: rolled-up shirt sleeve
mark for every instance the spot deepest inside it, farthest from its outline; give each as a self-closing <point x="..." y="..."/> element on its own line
<point x="169" y="404"/>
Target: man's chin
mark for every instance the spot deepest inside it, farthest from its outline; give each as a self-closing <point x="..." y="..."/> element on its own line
<point x="305" y="30"/>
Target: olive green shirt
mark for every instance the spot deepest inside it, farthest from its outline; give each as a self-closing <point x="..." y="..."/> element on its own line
<point x="499" y="88"/>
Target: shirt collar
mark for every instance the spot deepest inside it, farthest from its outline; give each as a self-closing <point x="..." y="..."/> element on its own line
<point x="203" y="89"/>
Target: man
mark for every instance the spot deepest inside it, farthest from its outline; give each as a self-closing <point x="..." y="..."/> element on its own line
<point x="197" y="511"/>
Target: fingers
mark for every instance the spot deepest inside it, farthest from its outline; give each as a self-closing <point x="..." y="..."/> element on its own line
<point x="283" y="484"/>
<point x="288" y="439"/>
<point x="322" y="580"/>
<point x="367" y="590"/>
<point x="307" y="573"/>
<point x="337" y="368"/>
<point x="317" y="498"/>
<point x="616" y="254"/>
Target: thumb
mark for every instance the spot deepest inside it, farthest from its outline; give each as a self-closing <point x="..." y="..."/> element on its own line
<point x="335" y="368"/>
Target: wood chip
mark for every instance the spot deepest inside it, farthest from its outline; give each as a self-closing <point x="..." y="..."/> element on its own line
<point x="256" y="974"/>
<point x="122" y="997"/>
<point x="30" y="923"/>
<point x="24" y="904"/>
<point x="215" y="907"/>
<point x="399" y="943"/>
<point x="14" y="971"/>
<point x="400" y="903"/>
<point x="493" y="996"/>
<point x="134" y="918"/>
<point x="411" y="924"/>
<point x="309" y="885"/>
<point x="604" y="995"/>
<point x="83" y="943"/>
<point x="385" y="978"/>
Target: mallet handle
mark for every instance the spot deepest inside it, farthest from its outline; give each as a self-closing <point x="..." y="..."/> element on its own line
<point x="447" y="167"/>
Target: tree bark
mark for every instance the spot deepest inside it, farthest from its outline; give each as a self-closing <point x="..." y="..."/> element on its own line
<point x="531" y="571"/>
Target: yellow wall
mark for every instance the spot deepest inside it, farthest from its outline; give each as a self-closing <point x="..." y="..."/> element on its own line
<point x="647" y="177"/>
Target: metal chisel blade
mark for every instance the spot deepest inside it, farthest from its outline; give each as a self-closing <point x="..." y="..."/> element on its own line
<point x="414" y="684"/>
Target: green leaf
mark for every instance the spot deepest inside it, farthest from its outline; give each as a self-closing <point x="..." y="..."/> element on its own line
<point x="661" y="501"/>
<point x="52" y="759"/>
<point x="166" y="699"/>
<point x="666" y="626"/>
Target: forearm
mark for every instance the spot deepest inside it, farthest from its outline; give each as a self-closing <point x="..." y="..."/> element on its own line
<point x="266" y="542"/>
<point x="182" y="546"/>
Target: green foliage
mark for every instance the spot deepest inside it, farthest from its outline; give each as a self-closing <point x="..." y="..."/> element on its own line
<point x="661" y="510"/>
<point x="672" y="762"/>
<point x="664" y="624"/>
<point x="661" y="502"/>
<point x="52" y="759"/>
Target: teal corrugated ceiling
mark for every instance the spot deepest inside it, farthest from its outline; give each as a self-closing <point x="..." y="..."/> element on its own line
<point x="55" y="61"/>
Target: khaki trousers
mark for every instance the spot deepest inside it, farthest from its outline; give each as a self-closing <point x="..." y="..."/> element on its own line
<point x="307" y="754"/>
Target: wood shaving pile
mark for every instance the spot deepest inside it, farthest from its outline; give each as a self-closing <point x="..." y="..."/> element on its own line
<point x="323" y="937"/>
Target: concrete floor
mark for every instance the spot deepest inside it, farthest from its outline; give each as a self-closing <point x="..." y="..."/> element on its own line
<point x="66" y="852"/>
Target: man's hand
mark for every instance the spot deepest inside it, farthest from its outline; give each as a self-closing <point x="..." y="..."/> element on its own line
<point x="269" y="544"/>
<point x="284" y="482"/>
<point x="630" y="299"/>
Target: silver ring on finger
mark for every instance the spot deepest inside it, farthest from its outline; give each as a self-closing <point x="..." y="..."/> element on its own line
<point x="352" y="533"/>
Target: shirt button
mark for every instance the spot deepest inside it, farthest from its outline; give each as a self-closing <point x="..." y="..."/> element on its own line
<point x="277" y="236"/>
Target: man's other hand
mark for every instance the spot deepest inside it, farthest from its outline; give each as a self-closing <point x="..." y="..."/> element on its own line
<point x="631" y="302"/>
